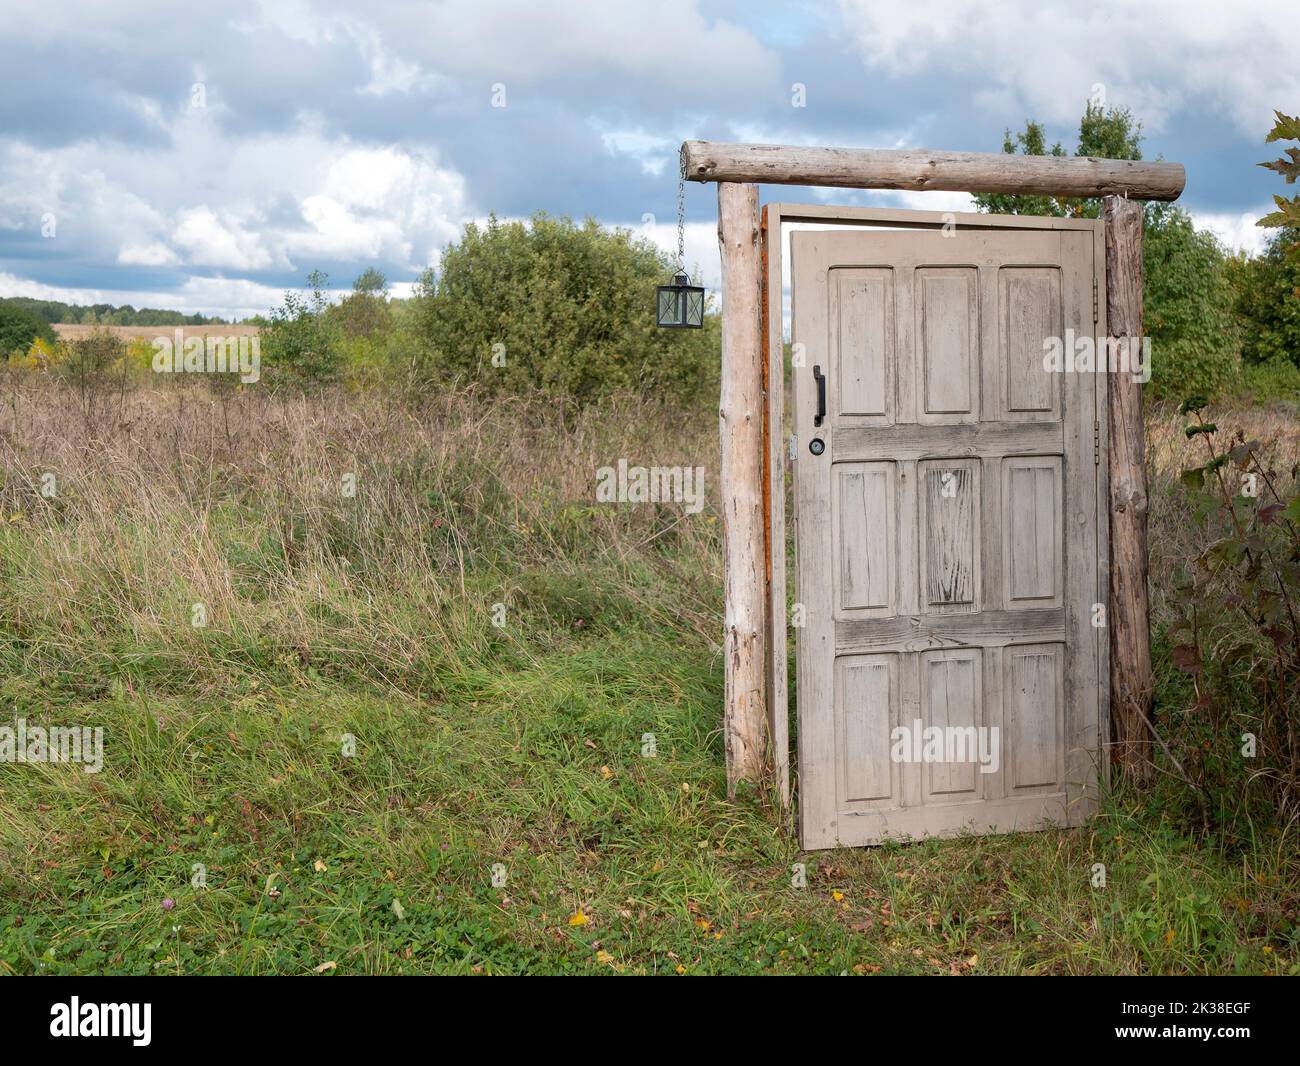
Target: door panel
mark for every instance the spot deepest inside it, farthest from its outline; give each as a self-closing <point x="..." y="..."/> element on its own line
<point x="864" y="344"/>
<point x="866" y="541"/>
<point x="947" y="326"/>
<point x="948" y="536"/>
<point x="867" y="690"/>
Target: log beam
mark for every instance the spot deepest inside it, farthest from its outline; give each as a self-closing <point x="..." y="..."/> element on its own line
<point x="1075" y="177"/>
<point x="741" y="430"/>
<point x="1132" y="684"/>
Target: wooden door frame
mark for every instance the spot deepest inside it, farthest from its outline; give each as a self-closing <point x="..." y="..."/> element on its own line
<point x="754" y="712"/>
<point x="774" y="216"/>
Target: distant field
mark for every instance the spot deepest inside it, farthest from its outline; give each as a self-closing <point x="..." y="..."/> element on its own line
<point x="71" y="331"/>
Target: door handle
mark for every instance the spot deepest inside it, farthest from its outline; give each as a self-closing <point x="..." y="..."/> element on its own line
<point x="820" y="378"/>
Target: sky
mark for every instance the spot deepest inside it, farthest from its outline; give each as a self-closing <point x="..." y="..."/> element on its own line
<point x="208" y="157"/>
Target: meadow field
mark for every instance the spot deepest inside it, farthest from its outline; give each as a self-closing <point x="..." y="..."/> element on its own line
<point x="497" y="809"/>
<point x="69" y="331"/>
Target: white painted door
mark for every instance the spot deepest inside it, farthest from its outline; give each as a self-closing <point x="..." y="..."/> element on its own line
<point x="951" y="532"/>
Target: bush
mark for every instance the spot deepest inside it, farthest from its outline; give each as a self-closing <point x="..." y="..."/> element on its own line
<point x="301" y="342"/>
<point x="19" y="328"/>
<point x="1276" y="380"/>
<point x="93" y="363"/>
<point x="1187" y="306"/>
<point x="1267" y="301"/>
<point x="1236" y="634"/>
<point x="365" y="311"/>
<point x="565" y="308"/>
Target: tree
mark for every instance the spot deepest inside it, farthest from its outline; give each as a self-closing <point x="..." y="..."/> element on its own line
<point x="566" y="308"/>
<point x="1032" y="141"/>
<point x="19" y="327"/>
<point x="1103" y="134"/>
<point x="302" y="338"/>
<point x="1187" y="293"/>
<point x="365" y="311"/>
<point x="1267" y="301"/>
<point x="1188" y="306"/>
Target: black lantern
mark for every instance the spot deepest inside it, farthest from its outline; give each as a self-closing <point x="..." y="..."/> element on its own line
<point x="680" y="305"/>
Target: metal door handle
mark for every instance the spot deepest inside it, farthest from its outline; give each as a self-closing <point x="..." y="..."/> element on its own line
<point x="820" y="378"/>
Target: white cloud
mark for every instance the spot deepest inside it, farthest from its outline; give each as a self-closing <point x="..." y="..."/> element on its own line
<point x="219" y="242"/>
<point x="210" y="199"/>
<point x="703" y="260"/>
<point x="1158" y="57"/>
<point x="1237" y="232"/>
<point x="673" y="46"/>
<point x="154" y="254"/>
<point x="372" y="202"/>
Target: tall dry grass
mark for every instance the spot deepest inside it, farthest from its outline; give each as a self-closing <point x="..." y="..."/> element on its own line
<point x="240" y="501"/>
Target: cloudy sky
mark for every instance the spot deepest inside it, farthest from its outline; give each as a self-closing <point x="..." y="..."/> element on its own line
<point x="206" y="157"/>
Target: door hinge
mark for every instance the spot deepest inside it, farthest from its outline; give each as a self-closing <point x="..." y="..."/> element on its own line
<point x="794" y="447"/>
<point x="1096" y="442"/>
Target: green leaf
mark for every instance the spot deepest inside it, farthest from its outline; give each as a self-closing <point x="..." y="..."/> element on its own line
<point x="1286" y="128"/>
<point x="1194" y="478"/>
<point x="1288" y="170"/>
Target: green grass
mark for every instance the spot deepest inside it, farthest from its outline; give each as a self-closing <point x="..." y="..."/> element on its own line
<point x="476" y="745"/>
<point x="540" y="769"/>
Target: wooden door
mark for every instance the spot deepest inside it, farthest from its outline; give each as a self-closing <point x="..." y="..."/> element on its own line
<point x="950" y="529"/>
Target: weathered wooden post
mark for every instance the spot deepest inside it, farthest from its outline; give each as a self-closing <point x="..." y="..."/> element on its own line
<point x="741" y="414"/>
<point x="1132" y="683"/>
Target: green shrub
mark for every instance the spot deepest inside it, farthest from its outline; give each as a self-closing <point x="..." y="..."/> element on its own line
<point x="1267" y="301"/>
<point x="562" y="307"/>
<point x="301" y="343"/>
<point x="1278" y="379"/>
<point x="1187" y="306"/>
<point x="365" y="311"/>
<point x="19" y="327"/>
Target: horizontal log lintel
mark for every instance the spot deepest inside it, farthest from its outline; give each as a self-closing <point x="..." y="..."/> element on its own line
<point x="1074" y="177"/>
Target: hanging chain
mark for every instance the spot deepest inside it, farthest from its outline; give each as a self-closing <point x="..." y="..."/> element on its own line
<point x="681" y="212"/>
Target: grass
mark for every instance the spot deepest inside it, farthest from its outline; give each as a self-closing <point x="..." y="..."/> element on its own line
<point x="371" y="616"/>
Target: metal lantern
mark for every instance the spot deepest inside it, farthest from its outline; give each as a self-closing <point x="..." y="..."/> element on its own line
<point x="680" y="305"/>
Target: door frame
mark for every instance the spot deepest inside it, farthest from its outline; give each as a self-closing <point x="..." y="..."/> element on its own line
<point x="778" y="451"/>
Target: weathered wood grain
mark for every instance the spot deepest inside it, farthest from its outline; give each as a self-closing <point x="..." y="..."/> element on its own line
<point x="778" y="711"/>
<point x="740" y="417"/>
<point x="948" y="535"/>
<point x="986" y="172"/>
<point x="1132" y="682"/>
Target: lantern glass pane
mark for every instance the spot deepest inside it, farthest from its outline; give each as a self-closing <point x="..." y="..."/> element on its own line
<point x="669" y="313"/>
<point x="695" y="308"/>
